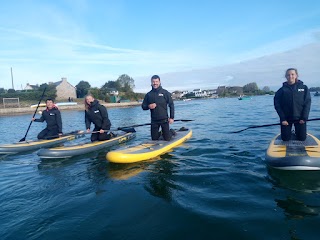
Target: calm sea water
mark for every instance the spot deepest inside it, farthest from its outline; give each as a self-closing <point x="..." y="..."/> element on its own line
<point x="215" y="186"/>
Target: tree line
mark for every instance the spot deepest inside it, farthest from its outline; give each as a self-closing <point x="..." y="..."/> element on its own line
<point x="124" y="85"/>
<point x="248" y="89"/>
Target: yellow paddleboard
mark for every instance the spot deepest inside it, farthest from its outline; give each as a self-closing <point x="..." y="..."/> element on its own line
<point x="147" y="150"/>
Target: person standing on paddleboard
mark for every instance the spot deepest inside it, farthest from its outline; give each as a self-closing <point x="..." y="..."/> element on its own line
<point x="292" y="103"/>
<point x="158" y="100"/>
<point x="98" y="115"/>
<point x="52" y="116"/>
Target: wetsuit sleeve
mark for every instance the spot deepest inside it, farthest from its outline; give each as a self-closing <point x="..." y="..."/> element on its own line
<point x="306" y="105"/>
<point x="41" y="119"/>
<point x="87" y="120"/>
<point x="106" y="124"/>
<point x="145" y="103"/>
<point x="171" y="105"/>
<point x="59" y="121"/>
<point x="277" y="105"/>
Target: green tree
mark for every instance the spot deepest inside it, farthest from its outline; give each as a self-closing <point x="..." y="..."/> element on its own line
<point x="11" y="90"/>
<point x="266" y="89"/>
<point x="111" y="85"/>
<point x="314" y="89"/>
<point x="108" y="86"/>
<point x="126" y="83"/>
<point x="51" y="91"/>
<point x="82" y="88"/>
<point x="250" y="88"/>
<point x="2" y="90"/>
<point x="96" y="93"/>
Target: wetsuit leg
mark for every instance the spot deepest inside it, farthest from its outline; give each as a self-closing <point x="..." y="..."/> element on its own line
<point x="95" y="136"/>
<point x="301" y="131"/>
<point x="103" y="136"/>
<point x="43" y="134"/>
<point x="165" y="131"/>
<point x="52" y="133"/>
<point x="286" y="132"/>
<point x="155" y="131"/>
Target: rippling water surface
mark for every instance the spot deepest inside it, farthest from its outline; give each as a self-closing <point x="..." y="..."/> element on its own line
<point x="214" y="186"/>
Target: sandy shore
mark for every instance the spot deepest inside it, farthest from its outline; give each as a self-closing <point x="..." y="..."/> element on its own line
<point x="78" y="107"/>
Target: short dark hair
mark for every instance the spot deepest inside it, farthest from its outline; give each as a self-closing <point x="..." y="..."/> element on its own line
<point x="155" y="77"/>
<point x="49" y="99"/>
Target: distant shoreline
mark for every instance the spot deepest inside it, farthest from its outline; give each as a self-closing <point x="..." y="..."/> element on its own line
<point x="78" y="107"/>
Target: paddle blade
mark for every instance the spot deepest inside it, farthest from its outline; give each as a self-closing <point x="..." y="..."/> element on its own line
<point x="128" y="130"/>
<point x="22" y="139"/>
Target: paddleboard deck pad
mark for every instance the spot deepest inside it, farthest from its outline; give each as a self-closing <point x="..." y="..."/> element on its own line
<point x="147" y="150"/>
<point x="294" y="154"/>
<point x="71" y="151"/>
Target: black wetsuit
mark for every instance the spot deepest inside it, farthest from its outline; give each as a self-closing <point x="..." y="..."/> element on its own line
<point x="292" y="103"/>
<point x="98" y="115"/>
<point x="159" y="115"/>
<point x="54" y="123"/>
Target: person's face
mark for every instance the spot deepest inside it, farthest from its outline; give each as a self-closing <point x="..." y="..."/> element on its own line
<point x="49" y="104"/>
<point x="89" y="99"/>
<point x="291" y="76"/>
<point x="155" y="83"/>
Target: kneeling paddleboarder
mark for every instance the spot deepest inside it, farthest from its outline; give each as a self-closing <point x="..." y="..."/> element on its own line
<point x="52" y="116"/>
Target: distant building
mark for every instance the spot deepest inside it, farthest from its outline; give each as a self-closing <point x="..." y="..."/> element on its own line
<point x="65" y="90"/>
<point x="199" y="93"/>
<point x="113" y="92"/>
<point x="31" y="87"/>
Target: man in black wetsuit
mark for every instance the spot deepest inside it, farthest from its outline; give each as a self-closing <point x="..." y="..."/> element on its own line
<point x="52" y="116"/>
<point x="158" y="100"/>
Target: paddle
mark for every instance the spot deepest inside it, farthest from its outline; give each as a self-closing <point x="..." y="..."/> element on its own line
<point x="127" y="130"/>
<point x="273" y="124"/>
<point x="24" y="138"/>
<point x="145" y="124"/>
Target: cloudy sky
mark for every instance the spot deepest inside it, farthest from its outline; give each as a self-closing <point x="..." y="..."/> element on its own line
<point x="98" y="40"/>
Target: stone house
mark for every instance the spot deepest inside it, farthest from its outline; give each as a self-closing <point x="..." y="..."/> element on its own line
<point x="65" y="90"/>
<point x="31" y="87"/>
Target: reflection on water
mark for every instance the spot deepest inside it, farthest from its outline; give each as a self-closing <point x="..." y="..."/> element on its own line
<point x="126" y="171"/>
<point x="294" y="204"/>
<point x="305" y="181"/>
<point x="160" y="181"/>
<point x="297" y="209"/>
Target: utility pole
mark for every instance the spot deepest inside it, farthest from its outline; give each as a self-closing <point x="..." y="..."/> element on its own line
<point x="12" y="78"/>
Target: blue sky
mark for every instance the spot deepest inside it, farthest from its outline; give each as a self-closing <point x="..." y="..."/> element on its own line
<point x="98" y="40"/>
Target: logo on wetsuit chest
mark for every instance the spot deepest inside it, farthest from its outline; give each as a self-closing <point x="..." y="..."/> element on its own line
<point x="300" y="89"/>
<point x="160" y="95"/>
<point x="96" y="111"/>
<point x="51" y="114"/>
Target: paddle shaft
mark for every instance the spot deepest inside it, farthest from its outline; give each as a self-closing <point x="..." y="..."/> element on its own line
<point x="273" y="124"/>
<point x="146" y="124"/>
<point x="24" y="138"/>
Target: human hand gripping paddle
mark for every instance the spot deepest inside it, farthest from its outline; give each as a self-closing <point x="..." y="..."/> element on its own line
<point x="273" y="124"/>
<point x="24" y="138"/>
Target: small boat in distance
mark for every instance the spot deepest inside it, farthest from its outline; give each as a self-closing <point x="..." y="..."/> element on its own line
<point x="317" y="94"/>
<point x="187" y="99"/>
<point x="244" y="97"/>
